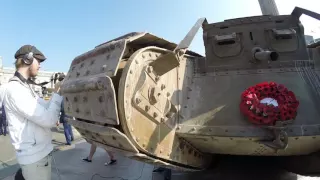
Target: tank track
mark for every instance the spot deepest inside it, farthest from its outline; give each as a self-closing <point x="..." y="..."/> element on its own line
<point x="90" y="97"/>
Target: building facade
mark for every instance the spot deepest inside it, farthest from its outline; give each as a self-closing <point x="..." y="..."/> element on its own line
<point x="309" y="39"/>
<point x="43" y="76"/>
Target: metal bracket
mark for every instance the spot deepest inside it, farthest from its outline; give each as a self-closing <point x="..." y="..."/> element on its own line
<point x="297" y="11"/>
<point x="169" y="61"/>
<point x="165" y="63"/>
<point x="280" y="140"/>
<point x="280" y="136"/>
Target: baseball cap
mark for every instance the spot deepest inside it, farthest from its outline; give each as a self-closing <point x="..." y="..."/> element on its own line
<point x="25" y="49"/>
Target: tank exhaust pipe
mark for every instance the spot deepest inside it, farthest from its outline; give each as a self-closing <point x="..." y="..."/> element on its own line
<point x="264" y="55"/>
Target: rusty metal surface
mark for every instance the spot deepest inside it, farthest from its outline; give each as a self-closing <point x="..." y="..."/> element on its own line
<point x="186" y="41"/>
<point x="180" y="117"/>
<point x="211" y="95"/>
<point x="250" y="146"/>
<point x="141" y="113"/>
<point x="222" y="108"/>
<point x="248" y="130"/>
<point x="91" y="98"/>
<point x="143" y="39"/>
<point x="84" y="96"/>
<point x="105" y="135"/>
<point x="235" y="51"/>
<point x="100" y="60"/>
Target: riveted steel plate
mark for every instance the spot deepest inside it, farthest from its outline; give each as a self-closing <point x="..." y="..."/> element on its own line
<point x="92" y="98"/>
<point x="219" y="105"/>
<point x="238" y="52"/>
<point x="251" y="146"/>
<point x="157" y="162"/>
<point x="103" y="59"/>
<point x="108" y="136"/>
<point x="157" y="139"/>
<point x="248" y="130"/>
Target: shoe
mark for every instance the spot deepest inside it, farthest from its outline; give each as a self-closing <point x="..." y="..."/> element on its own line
<point x="87" y="160"/>
<point x="159" y="170"/>
<point x="72" y="139"/>
<point x="18" y="175"/>
<point x="68" y="144"/>
<point x="112" y="162"/>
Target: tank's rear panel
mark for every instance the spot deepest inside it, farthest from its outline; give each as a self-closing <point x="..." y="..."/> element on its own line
<point x="220" y="101"/>
<point x="211" y="119"/>
<point x="229" y="44"/>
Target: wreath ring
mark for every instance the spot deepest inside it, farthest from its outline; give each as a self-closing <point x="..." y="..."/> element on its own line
<point x="268" y="102"/>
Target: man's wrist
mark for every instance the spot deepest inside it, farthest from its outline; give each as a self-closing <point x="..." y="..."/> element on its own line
<point x="57" y="99"/>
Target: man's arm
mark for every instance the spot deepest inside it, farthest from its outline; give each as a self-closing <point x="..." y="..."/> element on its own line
<point x="43" y="102"/>
<point x="27" y="106"/>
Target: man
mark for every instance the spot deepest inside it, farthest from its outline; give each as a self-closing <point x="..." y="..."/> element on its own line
<point x="93" y="150"/>
<point x="66" y="126"/>
<point x="3" y="122"/>
<point x="30" y="117"/>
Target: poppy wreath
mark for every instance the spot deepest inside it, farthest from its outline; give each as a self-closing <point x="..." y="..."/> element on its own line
<point x="267" y="113"/>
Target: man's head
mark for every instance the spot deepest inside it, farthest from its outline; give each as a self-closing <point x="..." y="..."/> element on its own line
<point x="28" y="59"/>
<point x="61" y="77"/>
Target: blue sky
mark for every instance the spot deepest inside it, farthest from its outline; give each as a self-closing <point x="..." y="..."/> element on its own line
<point x="64" y="29"/>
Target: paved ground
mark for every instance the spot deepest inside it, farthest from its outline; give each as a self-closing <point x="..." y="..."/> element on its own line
<point x="71" y="167"/>
<point x="68" y="160"/>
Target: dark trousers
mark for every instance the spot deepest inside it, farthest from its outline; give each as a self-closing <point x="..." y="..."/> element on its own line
<point x="68" y="132"/>
<point x="166" y="172"/>
<point x="3" y="126"/>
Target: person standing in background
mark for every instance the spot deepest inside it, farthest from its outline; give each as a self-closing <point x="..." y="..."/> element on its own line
<point x="66" y="126"/>
<point x="93" y="150"/>
<point x="3" y="122"/>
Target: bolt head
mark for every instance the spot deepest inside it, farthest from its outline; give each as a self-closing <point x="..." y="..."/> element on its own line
<point x="149" y="69"/>
<point x="155" y="114"/>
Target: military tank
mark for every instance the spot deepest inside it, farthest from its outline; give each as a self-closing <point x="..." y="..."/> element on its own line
<point x="158" y="102"/>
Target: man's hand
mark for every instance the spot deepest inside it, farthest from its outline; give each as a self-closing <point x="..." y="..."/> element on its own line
<point x="57" y="87"/>
<point x="57" y="123"/>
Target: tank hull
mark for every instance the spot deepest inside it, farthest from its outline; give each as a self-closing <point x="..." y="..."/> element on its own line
<point x="142" y="96"/>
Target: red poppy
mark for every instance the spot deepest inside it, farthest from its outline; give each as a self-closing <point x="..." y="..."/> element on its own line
<point x="268" y="114"/>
